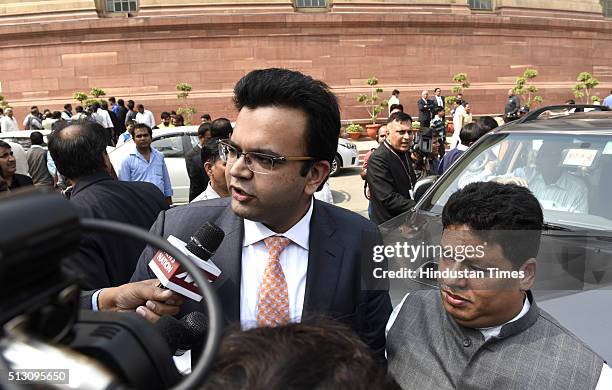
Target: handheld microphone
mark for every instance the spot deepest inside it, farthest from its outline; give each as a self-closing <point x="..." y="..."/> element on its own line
<point x="201" y="246"/>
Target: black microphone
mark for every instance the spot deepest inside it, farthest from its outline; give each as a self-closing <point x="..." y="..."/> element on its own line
<point x="175" y="333"/>
<point x="197" y="324"/>
<point x="201" y="246"/>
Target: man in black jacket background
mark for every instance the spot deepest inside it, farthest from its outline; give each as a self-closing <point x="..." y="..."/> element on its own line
<point x="390" y="174"/>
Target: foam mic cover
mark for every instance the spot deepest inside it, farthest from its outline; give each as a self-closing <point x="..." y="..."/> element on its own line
<point x="197" y="325"/>
<point x="175" y="333"/>
<point x="205" y="241"/>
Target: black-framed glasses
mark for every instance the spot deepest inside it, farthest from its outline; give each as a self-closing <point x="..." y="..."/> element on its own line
<point x="256" y="162"/>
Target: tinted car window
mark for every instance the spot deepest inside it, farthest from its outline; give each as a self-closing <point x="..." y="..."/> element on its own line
<point x="571" y="175"/>
<point x="169" y="146"/>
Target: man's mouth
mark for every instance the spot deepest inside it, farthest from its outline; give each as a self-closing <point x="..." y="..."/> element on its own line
<point x="453" y="299"/>
<point x="240" y="195"/>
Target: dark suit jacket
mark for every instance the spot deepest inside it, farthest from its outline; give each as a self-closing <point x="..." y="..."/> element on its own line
<point x="390" y="183"/>
<point x="425" y="108"/>
<point x="435" y="103"/>
<point x="333" y="284"/>
<point x="198" y="179"/>
<point x="103" y="259"/>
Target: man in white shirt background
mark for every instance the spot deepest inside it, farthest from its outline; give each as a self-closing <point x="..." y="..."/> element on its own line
<point x="145" y="116"/>
<point x="8" y="121"/>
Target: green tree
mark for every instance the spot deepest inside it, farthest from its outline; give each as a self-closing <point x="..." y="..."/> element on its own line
<point x="582" y="89"/>
<point x="97" y="92"/>
<point x="3" y="103"/>
<point x="184" y="110"/>
<point x="374" y="105"/>
<point x="79" y="97"/>
<point x="462" y="84"/>
<point x="526" y="90"/>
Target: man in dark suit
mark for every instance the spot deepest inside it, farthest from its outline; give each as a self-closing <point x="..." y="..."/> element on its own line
<point x="425" y="108"/>
<point x="198" y="180"/>
<point x="79" y="153"/>
<point x="438" y="100"/>
<point x="278" y="238"/>
<point x="391" y="175"/>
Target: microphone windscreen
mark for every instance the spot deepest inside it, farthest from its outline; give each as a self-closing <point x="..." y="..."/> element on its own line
<point x="205" y="241"/>
<point x="196" y="324"/>
<point x="175" y="333"/>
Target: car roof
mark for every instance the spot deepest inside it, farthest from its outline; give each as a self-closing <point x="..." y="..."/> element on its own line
<point x="174" y="130"/>
<point x="599" y="122"/>
<point x="22" y="133"/>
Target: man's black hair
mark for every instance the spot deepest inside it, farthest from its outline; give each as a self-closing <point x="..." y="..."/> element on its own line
<point x="140" y="126"/>
<point x="112" y="99"/>
<point x="4" y="144"/>
<point x="292" y="89"/>
<point x="78" y="149"/>
<point x="437" y="110"/>
<point x="222" y="128"/>
<point x="570" y="101"/>
<point x="67" y="106"/>
<point x="204" y="127"/>
<point x="210" y="151"/>
<point x="399" y="116"/>
<point x="395" y="92"/>
<point x="459" y="102"/>
<point x="78" y="109"/>
<point x="398" y="106"/>
<point x="36" y="138"/>
<point x="321" y="355"/>
<point x="140" y="106"/>
<point x="487" y="123"/>
<point x="206" y="117"/>
<point x="120" y="102"/>
<point x="165" y="114"/>
<point x="95" y="106"/>
<point x="131" y="105"/>
<point x="511" y="211"/>
<point x="56" y="115"/>
<point x="437" y="88"/>
<point x="470" y="133"/>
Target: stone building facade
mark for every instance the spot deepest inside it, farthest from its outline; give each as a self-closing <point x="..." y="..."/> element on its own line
<point x="52" y="48"/>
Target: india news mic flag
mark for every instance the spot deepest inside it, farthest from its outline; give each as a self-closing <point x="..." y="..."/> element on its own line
<point x="200" y="248"/>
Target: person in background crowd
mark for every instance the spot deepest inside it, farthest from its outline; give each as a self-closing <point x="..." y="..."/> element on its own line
<point x="438" y="99"/>
<point x="513" y="105"/>
<point x="48" y="122"/>
<point x="67" y="113"/>
<point x="316" y="354"/>
<point x="438" y="125"/>
<point x="131" y="114"/>
<point x="221" y="128"/>
<point x="116" y="129"/>
<point x="80" y="115"/>
<point x="177" y="120"/>
<point x="113" y="105"/>
<point x="37" y="162"/>
<point x="127" y="134"/>
<point x="198" y="179"/>
<point x="390" y="174"/>
<point x="608" y="100"/>
<point x="425" y="107"/>
<point x="146" y="163"/>
<point x="470" y="133"/>
<point x="206" y="118"/>
<point x="458" y="117"/>
<point x="145" y="116"/>
<point x="121" y="113"/>
<point x="396" y="108"/>
<point x="8" y="121"/>
<point x="380" y="138"/>
<point x="8" y="166"/>
<point x="80" y="153"/>
<point x="214" y="167"/>
<point x="488" y="332"/>
<point x="165" y="120"/>
<point x="394" y="99"/>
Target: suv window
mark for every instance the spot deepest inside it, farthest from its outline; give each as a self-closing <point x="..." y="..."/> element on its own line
<point x="571" y="175"/>
<point x="169" y="146"/>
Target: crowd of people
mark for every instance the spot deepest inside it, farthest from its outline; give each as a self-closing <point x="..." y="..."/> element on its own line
<point x="288" y="258"/>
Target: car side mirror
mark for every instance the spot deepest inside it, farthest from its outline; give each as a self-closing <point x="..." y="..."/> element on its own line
<point x="422" y="186"/>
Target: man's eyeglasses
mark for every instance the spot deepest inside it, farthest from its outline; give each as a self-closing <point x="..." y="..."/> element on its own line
<point x="256" y="162"/>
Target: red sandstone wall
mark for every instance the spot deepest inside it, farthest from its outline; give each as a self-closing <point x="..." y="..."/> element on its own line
<point x="144" y="57"/>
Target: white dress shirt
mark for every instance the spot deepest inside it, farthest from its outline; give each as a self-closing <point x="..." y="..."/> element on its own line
<point x="457" y="125"/>
<point x="605" y="378"/>
<point x="146" y="117"/>
<point x="294" y="261"/>
<point x="103" y="118"/>
<point x="8" y="124"/>
<point x="208" y="193"/>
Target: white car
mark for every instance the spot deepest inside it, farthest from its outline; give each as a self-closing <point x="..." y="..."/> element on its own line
<point x="22" y="137"/>
<point x="175" y="142"/>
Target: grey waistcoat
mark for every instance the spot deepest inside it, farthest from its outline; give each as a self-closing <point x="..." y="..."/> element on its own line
<point x="427" y="349"/>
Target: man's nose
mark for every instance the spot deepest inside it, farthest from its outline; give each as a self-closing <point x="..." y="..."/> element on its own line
<point x="239" y="168"/>
<point x="454" y="282"/>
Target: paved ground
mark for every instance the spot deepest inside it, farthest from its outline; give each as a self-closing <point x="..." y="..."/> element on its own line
<point x="347" y="187"/>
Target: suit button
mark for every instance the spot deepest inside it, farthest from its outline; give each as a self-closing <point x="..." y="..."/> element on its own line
<point x="467" y="342"/>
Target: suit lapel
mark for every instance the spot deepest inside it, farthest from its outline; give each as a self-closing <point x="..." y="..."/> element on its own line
<point x="324" y="263"/>
<point x="229" y="259"/>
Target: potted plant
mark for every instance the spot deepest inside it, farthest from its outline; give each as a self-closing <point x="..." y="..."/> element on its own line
<point x="354" y="131"/>
<point x="374" y="106"/>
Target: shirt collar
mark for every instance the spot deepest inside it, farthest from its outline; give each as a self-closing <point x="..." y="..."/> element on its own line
<point x="462" y="147"/>
<point x="494" y="331"/>
<point x="35" y="146"/>
<point x="299" y="233"/>
<point x="210" y="192"/>
<point x="136" y="153"/>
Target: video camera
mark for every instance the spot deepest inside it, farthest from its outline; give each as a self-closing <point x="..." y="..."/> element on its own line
<point x="41" y="327"/>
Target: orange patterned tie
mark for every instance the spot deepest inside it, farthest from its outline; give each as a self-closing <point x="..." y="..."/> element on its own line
<point x="273" y="307"/>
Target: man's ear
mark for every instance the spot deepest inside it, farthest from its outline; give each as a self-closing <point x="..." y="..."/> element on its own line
<point x="316" y="176"/>
<point x="208" y="169"/>
<point x="529" y="272"/>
